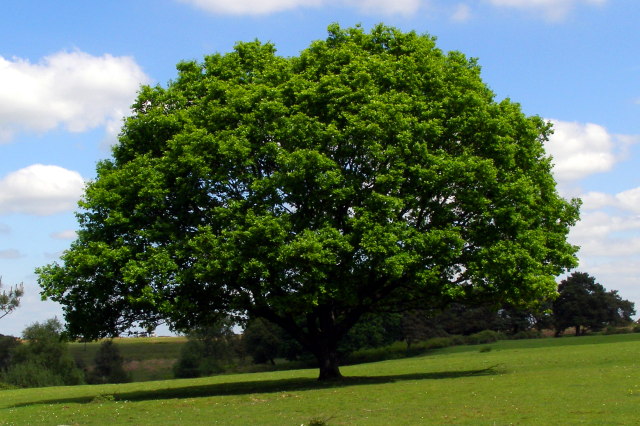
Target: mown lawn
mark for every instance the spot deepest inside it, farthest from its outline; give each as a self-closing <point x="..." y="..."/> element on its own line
<point x="592" y="380"/>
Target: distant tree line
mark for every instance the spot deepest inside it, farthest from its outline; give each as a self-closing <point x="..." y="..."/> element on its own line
<point x="42" y="358"/>
<point x="581" y="304"/>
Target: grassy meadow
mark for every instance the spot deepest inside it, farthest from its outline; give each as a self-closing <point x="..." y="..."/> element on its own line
<point x="584" y="380"/>
<point x="146" y="358"/>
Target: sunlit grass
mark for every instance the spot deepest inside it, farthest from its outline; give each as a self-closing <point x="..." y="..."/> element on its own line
<point x="546" y="381"/>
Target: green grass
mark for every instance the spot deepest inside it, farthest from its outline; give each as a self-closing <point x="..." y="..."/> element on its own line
<point x="591" y="380"/>
<point x="147" y="358"/>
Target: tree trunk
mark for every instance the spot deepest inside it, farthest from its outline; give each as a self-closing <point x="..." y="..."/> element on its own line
<point x="328" y="365"/>
<point x="577" y="330"/>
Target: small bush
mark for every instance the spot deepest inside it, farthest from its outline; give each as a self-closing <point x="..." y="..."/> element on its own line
<point x="485" y="336"/>
<point x="526" y="334"/>
<point x="636" y="329"/>
<point x="439" y="342"/>
<point x="612" y="329"/>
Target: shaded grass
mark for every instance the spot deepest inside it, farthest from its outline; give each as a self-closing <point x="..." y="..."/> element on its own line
<point x="543" y="381"/>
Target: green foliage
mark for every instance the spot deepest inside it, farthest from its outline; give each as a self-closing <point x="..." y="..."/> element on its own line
<point x="108" y="365"/>
<point x="44" y="359"/>
<point x="7" y="344"/>
<point x="10" y="299"/>
<point x="586" y="305"/>
<point x="265" y="341"/>
<point x="371" y="171"/>
<point x="526" y="334"/>
<point x="208" y="351"/>
<point x="485" y="336"/>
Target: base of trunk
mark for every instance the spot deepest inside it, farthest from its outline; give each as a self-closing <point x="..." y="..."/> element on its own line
<point x="329" y="367"/>
<point x="330" y="374"/>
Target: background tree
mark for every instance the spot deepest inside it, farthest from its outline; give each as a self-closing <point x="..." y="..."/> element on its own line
<point x="585" y="304"/>
<point x="10" y="299"/>
<point x="208" y="351"/>
<point x="43" y="359"/>
<point x="109" y="365"/>
<point x="371" y="171"/>
<point x="7" y="344"/>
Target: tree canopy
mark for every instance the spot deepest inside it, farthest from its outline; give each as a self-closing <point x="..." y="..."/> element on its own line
<point x="585" y="304"/>
<point x="372" y="172"/>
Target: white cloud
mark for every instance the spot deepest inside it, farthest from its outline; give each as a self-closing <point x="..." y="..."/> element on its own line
<point x="599" y="224"/>
<point x="462" y="13"/>
<point x="263" y="7"/>
<point x="40" y="190"/>
<point x="69" y="234"/>
<point x="628" y="200"/>
<point x="74" y="90"/>
<point x="580" y="150"/>
<point x="552" y="9"/>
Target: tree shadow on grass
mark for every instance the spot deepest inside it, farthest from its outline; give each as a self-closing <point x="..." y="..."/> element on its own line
<point x="262" y="386"/>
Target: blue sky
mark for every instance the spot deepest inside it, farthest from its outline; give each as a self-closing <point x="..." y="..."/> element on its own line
<point x="69" y="71"/>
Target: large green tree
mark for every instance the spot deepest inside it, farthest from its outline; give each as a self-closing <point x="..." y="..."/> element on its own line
<point x="371" y="171"/>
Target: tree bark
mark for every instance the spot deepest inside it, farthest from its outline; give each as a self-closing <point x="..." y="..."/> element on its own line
<point x="328" y="364"/>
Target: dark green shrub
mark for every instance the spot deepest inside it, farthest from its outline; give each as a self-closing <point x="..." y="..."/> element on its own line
<point x="109" y="365"/>
<point x="209" y="351"/>
<point x="7" y="344"/>
<point x="438" y="342"/>
<point x="526" y="334"/>
<point x="485" y="336"/>
<point x="612" y="329"/>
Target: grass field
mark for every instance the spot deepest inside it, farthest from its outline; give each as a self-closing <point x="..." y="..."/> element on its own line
<point x="585" y="380"/>
<point x="147" y="358"/>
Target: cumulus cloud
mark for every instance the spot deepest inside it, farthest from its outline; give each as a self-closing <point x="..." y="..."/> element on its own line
<point x="552" y="9"/>
<point x="599" y="225"/>
<point x="74" y="90"/>
<point x="40" y="190"/>
<point x="628" y="200"/>
<point x="263" y="7"/>
<point x="579" y="150"/>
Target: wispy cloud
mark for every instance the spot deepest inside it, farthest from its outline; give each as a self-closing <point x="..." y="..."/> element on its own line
<point x="550" y="9"/>
<point x="554" y="10"/>
<point x="68" y="234"/>
<point x="10" y="254"/>
<point x="462" y="13"/>
<point x="265" y="7"/>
